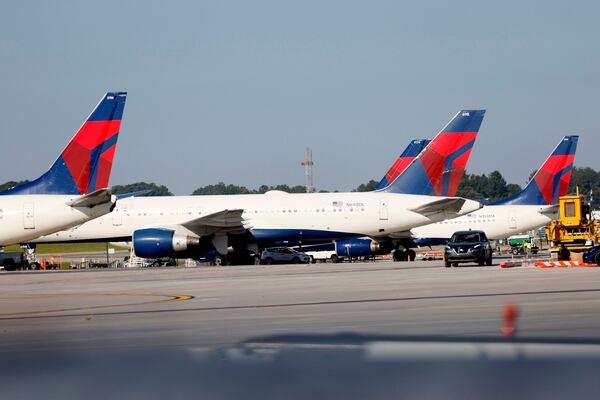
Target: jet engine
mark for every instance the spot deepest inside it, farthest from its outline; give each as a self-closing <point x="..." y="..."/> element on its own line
<point x="356" y="247"/>
<point x="156" y="242"/>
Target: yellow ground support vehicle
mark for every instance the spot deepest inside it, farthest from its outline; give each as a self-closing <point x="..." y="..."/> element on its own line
<point x="575" y="228"/>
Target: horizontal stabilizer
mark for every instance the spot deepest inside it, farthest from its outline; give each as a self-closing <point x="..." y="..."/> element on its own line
<point x="226" y="221"/>
<point x="447" y="204"/>
<point x="93" y="199"/>
<point x="550" y="210"/>
<point x="133" y="194"/>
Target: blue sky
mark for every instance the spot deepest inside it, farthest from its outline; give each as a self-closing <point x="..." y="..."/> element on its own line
<point x="234" y="91"/>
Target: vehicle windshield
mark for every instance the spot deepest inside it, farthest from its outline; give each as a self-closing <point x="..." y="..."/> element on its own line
<point x="466" y="237"/>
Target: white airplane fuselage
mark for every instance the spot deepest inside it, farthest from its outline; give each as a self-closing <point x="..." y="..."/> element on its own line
<point x="497" y="221"/>
<point x="26" y="217"/>
<point x="269" y="216"/>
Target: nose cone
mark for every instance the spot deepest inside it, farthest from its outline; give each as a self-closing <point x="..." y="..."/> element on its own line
<point x="469" y="206"/>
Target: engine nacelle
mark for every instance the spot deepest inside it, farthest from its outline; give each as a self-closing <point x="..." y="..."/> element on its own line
<point x="155" y="242"/>
<point x="356" y="247"/>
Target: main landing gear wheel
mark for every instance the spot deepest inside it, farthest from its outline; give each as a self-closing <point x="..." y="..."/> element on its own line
<point x="218" y="261"/>
<point x="408" y="255"/>
<point x="398" y="255"/>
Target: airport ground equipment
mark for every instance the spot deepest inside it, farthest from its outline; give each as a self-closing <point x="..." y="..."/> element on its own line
<point x="519" y="244"/>
<point x="576" y="229"/>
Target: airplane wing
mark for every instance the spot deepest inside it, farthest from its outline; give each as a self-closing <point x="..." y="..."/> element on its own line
<point x="447" y="204"/>
<point x="90" y="200"/>
<point x="226" y="221"/>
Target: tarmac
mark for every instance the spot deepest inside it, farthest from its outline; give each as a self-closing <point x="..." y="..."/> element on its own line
<point x="206" y="307"/>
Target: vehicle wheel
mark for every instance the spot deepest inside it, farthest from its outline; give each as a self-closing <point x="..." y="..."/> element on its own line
<point x="256" y="260"/>
<point x="455" y="264"/>
<point x="410" y="255"/>
<point x="295" y="260"/>
<point x="155" y="264"/>
<point x="9" y="265"/>
<point x="312" y="260"/>
<point x="219" y="261"/>
<point x="534" y="251"/>
<point x="515" y="251"/>
<point x="335" y="259"/>
<point x="597" y="258"/>
<point x="447" y="264"/>
<point x="481" y="263"/>
<point x="488" y="262"/>
<point x="268" y="261"/>
<point x="34" y="266"/>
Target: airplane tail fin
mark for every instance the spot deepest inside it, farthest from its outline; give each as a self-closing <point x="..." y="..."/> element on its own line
<point x="551" y="181"/>
<point x="84" y="166"/>
<point x="408" y="155"/>
<point x="438" y="169"/>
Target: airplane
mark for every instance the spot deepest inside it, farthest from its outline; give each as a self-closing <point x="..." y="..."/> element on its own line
<point x="426" y="167"/>
<point x="532" y="208"/>
<point x="188" y="226"/>
<point x="73" y="190"/>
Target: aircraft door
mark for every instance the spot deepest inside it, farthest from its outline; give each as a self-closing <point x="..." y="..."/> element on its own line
<point x="383" y="210"/>
<point x="117" y="215"/>
<point x="117" y="218"/>
<point x="28" y="216"/>
<point x="512" y="221"/>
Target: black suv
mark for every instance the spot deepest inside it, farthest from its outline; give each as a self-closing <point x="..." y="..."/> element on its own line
<point x="468" y="246"/>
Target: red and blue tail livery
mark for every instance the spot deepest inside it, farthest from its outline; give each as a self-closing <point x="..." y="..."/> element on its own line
<point x="438" y="169"/>
<point x="85" y="164"/>
<point x="408" y="155"/>
<point x="551" y="181"/>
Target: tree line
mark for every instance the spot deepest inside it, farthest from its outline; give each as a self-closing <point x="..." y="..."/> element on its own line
<point x="490" y="187"/>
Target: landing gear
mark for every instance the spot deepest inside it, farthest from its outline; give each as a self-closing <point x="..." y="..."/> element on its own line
<point x="218" y="261"/>
<point x="407" y="255"/>
<point x="34" y="266"/>
<point x="398" y="255"/>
